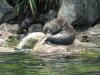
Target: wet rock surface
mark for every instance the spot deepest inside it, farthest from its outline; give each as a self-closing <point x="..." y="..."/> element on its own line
<point x="35" y="28"/>
<point x="13" y="28"/>
<point x="7" y="13"/>
<point x="91" y="35"/>
<point x="84" y="41"/>
<point x="36" y="40"/>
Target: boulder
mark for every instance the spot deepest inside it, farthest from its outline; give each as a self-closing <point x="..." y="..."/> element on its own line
<point x="44" y="49"/>
<point x="6" y="50"/>
<point x="36" y="41"/>
<point x="50" y="15"/>
<point x="9" y="28"/>
<point x="35" y="28"/>
<point x="92" y="35"/>
<point x="90" y="39"/>
<point x="5" y="35"/>
<point x="2" y="42"/>
<point x="6" y="13"/>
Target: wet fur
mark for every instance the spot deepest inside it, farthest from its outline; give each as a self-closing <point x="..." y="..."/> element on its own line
<point x="61" y="32"/>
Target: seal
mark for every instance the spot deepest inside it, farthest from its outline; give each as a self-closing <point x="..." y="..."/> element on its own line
<point x="60" y="32"/>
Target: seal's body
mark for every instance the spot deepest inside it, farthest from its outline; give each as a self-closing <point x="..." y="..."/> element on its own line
<point x="61" y="32"/>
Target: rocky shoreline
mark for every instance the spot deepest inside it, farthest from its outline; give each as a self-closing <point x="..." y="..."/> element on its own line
<point x="27" y="35"/>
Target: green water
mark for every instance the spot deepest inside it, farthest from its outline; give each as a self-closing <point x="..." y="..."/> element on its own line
<point x="25" y="64"/>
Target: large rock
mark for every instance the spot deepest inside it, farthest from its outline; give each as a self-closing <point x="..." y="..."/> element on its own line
<point x="2" y="42"/>
<point x="35" y="28"/>
<point x="40" y="47"/>
<point x="30" y="40"/>
<point x="5" y="35"/>
<point x="9" y="28"/>
<point x="50" y="15"/>
<point x="6" y="13"/>
<point x="44" y="49"/>
<point x="91" y="35"/>
<point x="80" y="13"/>
<point x="52" y="50"/>
<point x="7" y="39"/>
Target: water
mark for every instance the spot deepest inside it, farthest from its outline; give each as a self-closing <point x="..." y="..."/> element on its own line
<point x="88" y="63"/>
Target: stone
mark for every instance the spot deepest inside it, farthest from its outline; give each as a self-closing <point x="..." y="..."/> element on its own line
<point x="9" y="28"/>
<point x="6" y="50"/>
<point x="92" y="35"/>
<point x="80" y="13"/>
<point x="2" y="42"/>
<point x="6" y="13"/>
<point x="35" y="28"/>
<point x="5" y="35"/>
<point x="44" y="49"/>
<point x="48" y="16"/>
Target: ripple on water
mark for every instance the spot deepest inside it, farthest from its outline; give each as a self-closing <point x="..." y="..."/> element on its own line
<point x="87" y="63"/>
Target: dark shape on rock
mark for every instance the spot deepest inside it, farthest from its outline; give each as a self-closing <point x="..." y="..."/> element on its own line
<point x="61" y="32"/>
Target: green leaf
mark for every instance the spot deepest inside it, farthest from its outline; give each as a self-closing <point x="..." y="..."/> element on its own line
<point x="33" y="5"/>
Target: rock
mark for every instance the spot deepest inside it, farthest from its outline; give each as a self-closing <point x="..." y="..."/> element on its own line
<point x="21" y="36"/>
<point x="8" y="39"/>
<point x="43" y="49"/>
<point x="5" y="35"/>
<point x="80" y="13"/>
<point x="12" y="42"/>
<point x="6" y="50"/>
<point x="50" y="15"/>
<point x="92" y="35"/>
<point x="9" y="28"/>
<point x="35" y="28"/>
<point x="6" y="13"/>
<point x="2" y="43"/>
<point x="30" y="40"/>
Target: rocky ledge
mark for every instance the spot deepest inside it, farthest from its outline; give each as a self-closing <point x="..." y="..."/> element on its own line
<point x="84" y="41"/>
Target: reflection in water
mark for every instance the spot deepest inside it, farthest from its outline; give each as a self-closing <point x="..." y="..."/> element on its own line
<point x="25" y="64"/>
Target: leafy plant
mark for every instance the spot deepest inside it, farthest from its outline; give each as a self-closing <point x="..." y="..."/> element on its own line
<point x="23" y="6"/>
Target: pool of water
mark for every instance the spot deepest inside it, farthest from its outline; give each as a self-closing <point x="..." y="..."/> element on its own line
<point x="88" y="63"/>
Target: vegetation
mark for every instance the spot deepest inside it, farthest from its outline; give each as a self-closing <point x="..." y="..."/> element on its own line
<point x="24" y="5"/>
<point x="12" y="42"/>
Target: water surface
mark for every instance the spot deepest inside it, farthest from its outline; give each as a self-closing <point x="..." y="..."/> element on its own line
<point x="87" y="63"/>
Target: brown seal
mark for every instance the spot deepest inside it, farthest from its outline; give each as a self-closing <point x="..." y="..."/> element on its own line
<point x="61" y="32"/>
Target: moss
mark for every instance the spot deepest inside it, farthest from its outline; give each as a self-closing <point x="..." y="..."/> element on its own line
<point x="12" y="42"/>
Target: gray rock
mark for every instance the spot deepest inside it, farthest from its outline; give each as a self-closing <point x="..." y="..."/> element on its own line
<point x="44" y="49"/>
<point x="6" y="13"/>
<point x="2" y="42"/>
<point x="21" y="36"/>
<point x="35" y="28"/>
<point x="92" y="35"/>
<point x="5" y="35"/>
<point x="80" y="13"/>
<point x="50" y="15"/>
<point x="9" y="28"/>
